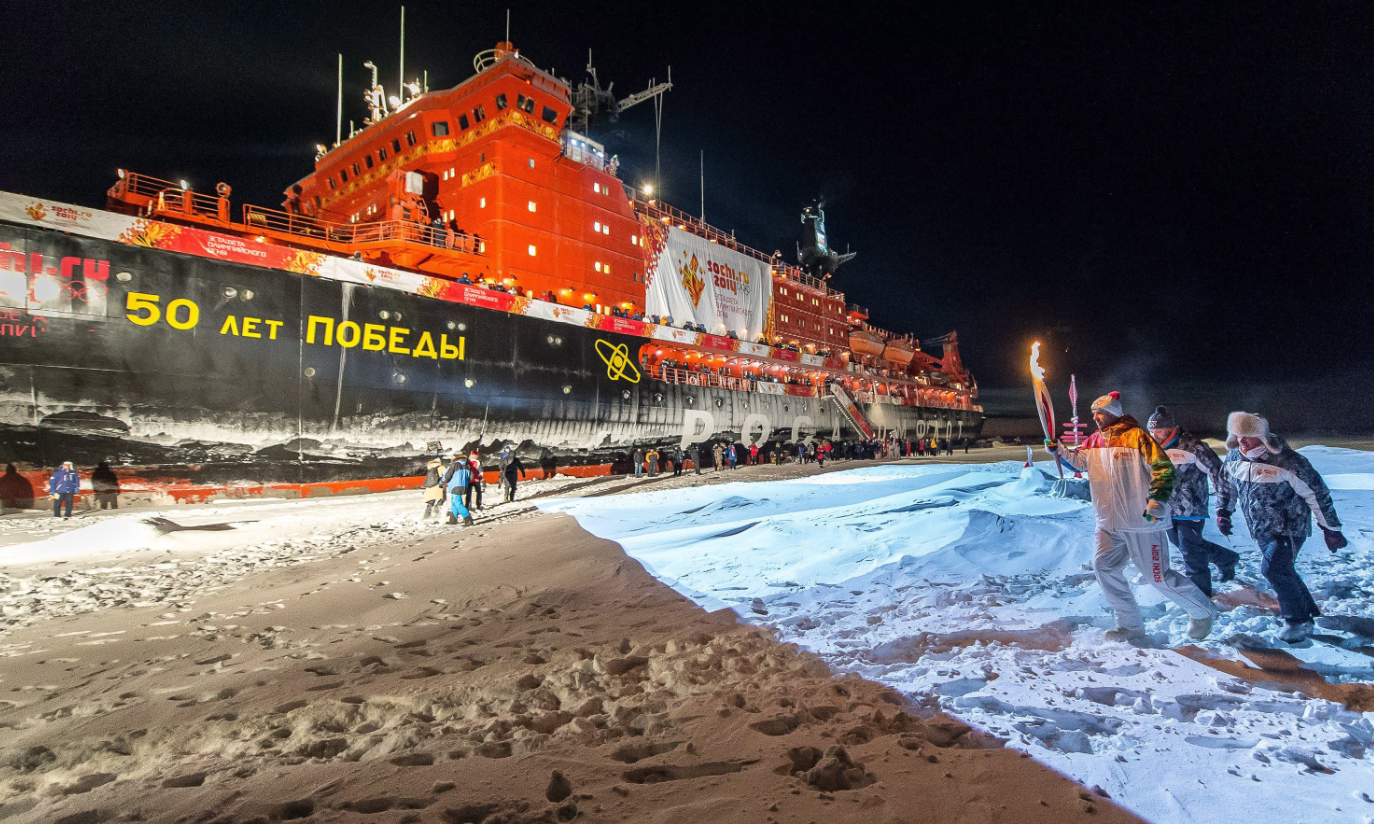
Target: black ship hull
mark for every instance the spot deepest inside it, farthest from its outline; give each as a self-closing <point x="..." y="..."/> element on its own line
<point x="179" y="369"/>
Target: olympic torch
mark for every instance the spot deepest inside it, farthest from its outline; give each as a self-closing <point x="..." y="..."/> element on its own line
<point x="1043" y="404"/>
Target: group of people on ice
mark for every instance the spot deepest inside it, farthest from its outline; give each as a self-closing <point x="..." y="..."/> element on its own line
<point x="462" y="480"/>
<point x="1150" y="489"/>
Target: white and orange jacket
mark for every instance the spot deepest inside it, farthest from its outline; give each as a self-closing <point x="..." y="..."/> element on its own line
<point x="1126" y="470"/>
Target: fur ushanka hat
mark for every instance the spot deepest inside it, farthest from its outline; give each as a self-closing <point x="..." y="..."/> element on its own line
<point x="1248" y="425"/>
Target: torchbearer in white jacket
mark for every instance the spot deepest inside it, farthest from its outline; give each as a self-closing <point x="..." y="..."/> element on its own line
<point x="1131" y="480"/>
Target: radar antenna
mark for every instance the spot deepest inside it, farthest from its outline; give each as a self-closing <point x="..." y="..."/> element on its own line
<point x="591" y="102"/>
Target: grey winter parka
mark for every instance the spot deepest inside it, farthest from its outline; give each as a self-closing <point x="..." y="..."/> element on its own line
<point x="1278" y="494"/>
<point x="1194" y="462"/>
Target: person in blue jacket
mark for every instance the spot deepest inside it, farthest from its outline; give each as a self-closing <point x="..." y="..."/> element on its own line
<point x="456" y="482"/>
<point x="1279" y="493"/>
<point x="63" y="486"/>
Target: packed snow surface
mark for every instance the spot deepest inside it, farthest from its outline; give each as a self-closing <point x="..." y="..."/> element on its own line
<point x="969" y="587"/>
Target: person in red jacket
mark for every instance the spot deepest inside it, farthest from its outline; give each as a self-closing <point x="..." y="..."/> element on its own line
<point x="1131" y="480"/>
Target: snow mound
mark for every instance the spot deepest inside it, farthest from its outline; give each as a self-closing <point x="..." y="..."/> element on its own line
<point x="970" y="589"/>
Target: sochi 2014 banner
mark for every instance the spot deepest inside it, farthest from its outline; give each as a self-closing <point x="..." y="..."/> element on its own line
<point x="693" y="279"/>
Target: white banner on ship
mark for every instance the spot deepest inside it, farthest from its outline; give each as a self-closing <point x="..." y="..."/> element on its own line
<point x="696" y="280"/>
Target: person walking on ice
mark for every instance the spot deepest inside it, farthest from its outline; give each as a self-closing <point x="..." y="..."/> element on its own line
<point x="1131" y="479"/>
<point x="1194" y="462"/>
<point x="456" y="482"/>
<point x="1279" y="492"/>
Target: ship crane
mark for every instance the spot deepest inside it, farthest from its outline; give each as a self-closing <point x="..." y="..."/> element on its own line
<point x="590" y="101"/>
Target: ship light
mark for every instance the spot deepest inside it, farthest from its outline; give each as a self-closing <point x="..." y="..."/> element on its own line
<point x="648" y="189"/>
<point x="122" y="174"/>
<point x="185" y="186"/>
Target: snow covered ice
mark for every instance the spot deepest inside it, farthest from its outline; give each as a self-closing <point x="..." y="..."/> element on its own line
<point x="969" y="588"/>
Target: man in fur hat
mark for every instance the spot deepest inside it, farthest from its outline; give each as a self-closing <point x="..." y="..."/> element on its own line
<point x="1131" y="479"/>
<point x="1194" y="462"/>
<point x="1279" y="493"/>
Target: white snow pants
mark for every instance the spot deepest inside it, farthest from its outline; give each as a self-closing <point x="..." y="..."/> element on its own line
<point x="1150" y="553"/>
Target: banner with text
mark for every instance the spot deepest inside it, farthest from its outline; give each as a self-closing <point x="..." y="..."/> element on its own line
<point x="693" y="279"/>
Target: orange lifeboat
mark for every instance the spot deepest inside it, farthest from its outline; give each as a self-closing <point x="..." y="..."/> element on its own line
<point x="899" y="352"/>
<point x="864" y="342"/>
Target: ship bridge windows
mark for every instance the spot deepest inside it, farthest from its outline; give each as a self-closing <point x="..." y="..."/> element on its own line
<point x="381" y="154"/>
<point x="478" y="114"/>
<point x="357" y="170"/>
<point x="368" y="160"/>
<point x="410" y="138"/>
<point x="501" y="102"/>
<point x="343" y="175"/>
<point x="332" y="184"/>
<point x="463" y="122"/>
<point x="396" y="146"/>
<point x="439" y="128"/>
<point x="549" y="115"/>
<point x="525" y="104"/>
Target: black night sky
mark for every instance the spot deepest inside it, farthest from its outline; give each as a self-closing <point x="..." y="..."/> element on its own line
<point x="1175" y="196"/>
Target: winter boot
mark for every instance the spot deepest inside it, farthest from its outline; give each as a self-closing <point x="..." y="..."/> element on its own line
<point x="1130" y="636"/>
<point x="1228" y="572"/>
<point x="452" y="521"/>
<point x="467" y="521"/>
<point x="1200" y="628"/>
<point x="1296" y="632"/>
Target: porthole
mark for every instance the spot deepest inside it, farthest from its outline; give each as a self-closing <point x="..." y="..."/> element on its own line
<point x="384" y="315"/>
<point x="625" y="394"/>
<point x="399" y="378"/>
<point x="230" y="292"/>
<point x="658" y="397"/>
<point x="310" y="371"/>
<point x="784" y="407"/>
<point x="691" y="401"/>
<point x="462" y="327"/>
<point x="246" y="294"/>
<point x="566" y="389"/>
<point x="720" y="402"/>
<point x="124" y="277"/>
<point x="744" y="404"/>
<point x="451" y="325"/>
<point x="468" y="382"/>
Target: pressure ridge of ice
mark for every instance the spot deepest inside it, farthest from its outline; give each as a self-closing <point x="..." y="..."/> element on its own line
<point x="969" y="588"/>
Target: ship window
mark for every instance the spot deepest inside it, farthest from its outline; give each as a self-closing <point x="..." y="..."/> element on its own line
<point x="317" y="201"/>
<point x="783" y="290"/>
<point x="396" y="146"/>
<point x="332" y="184"/>
<point x="596" y="227"/>
<point x="463" y="122"/>
<point x="531" y="163"/>
<point x="605" y="228"/>
<point x="381" y="154"/>
<point x="549" y="115"/>
<point x="479" y="114"/>
<point x="531" y="250"/>
<point x="500" y="102"/>
<point x="634" y="240"/>
<point x="356" y="170"/>
<point x="482" y="204"/>
<point x="410" y="138"/>
<point x="598" y="266"/>
<point x="531" y="206"/>
<point x="439" y="128"/>
<point x="343" y="175"/>
<point x="529" y="105"/>
<point x="368" y="160"/>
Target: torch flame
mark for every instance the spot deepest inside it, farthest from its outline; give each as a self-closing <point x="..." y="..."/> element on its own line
<point x="1036" y="369"/>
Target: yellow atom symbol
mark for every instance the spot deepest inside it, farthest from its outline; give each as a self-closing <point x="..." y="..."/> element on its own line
<point x="618" y="363"/>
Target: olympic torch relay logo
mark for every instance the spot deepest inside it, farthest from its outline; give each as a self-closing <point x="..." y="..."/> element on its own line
<point x="618" y="363"/>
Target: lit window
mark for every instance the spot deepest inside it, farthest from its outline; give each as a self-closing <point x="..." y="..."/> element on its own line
<point x="596" y="187"/>
<point x="634" y="240"/>
<point x="606" y="268"/>
<point x="605" y="228"/>
<point x="531" y="163"/>
<point x="530" y="206"/>
<point x="598" y="266"/>
<point x="596" y="227"/>
<point x="482" y="204"/>
<point x="531" y="250"/>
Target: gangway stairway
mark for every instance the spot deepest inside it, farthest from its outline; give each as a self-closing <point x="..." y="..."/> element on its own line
<point x="850" y="409"/>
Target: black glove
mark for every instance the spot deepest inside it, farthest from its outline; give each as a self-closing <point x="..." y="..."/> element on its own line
<point x="1224" y="522"/>
<point x="1334" y="539"/>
